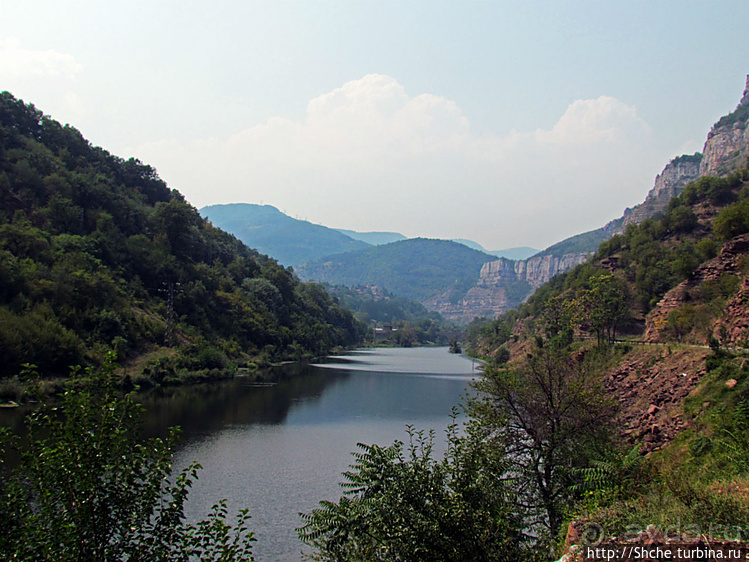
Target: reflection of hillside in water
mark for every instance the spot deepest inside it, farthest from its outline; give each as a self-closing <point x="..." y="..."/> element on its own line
<point x="419" y="360"/>
<point x="206" y="408"/>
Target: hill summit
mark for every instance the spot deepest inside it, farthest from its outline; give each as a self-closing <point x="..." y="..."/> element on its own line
<point x="99" y="254"/>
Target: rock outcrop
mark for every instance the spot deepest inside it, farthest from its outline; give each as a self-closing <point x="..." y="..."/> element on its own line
<point x="505" y="283"/>
<point x="736" y="317"/>
<point x="669" y="183"/>
<point x="727" y="145"/>
<point x="535" y="271"/>
<point x="725" y="150"/>
<point x="650" y="387"/>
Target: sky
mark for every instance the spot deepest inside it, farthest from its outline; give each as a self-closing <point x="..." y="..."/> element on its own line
<point x="510" y="123"/>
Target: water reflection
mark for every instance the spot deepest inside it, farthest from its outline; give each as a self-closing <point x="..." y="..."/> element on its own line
<point x="280" y="449"/>
<point x="204" y="409"/>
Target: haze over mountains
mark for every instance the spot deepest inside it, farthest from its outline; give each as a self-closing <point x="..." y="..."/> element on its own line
<point x="294" y="242"/>
<point x="460" y="279"/>
<point x="290" y="241"/>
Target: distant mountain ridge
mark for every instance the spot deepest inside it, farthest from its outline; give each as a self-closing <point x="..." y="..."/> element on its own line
<point x="499" y="283"/>
<point x="373" y="238"/>
<point x="295" y="242"/>
<point x="290" y="241"/>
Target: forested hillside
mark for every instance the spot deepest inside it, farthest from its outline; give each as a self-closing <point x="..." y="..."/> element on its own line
<point x="97" y="253"/>
<point x="418" y="269"/>
<point x="677" y="408"/>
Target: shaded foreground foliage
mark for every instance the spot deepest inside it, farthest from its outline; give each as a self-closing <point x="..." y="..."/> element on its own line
<point x="408" y="505"/>
<point x="88" y="489"/>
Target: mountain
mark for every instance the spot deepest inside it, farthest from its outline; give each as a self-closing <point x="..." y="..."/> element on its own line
<point x="97" y="253"/>
<point x="519" y="253"/>
<point x="658" y="322"/>
<point x="501" y="283"/>
<point x="290" y="241"/>
<point x="726" y="149"/>
<point x="373" y="238"/>
<point x="420" y="269"/>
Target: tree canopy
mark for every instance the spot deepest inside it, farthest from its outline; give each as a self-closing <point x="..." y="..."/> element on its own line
<point x="96" y="252"/>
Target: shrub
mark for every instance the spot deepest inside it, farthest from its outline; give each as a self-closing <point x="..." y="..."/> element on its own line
<point x="87" y="489"/>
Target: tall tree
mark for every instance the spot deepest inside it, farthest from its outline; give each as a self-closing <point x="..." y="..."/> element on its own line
<point x="550" y="413"/>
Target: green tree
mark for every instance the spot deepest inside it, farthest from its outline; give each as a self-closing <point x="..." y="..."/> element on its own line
<point x="607" y="303"/>
<point x="551" y="414"/>
<point x="87" y="489"/>
<point x="407" y="505"/>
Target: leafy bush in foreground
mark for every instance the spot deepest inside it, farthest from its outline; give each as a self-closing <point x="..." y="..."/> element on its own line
<point x="87" y="489"/>
<point x="410" y="506"/>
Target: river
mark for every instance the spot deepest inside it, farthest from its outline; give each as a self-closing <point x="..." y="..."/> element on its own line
<point x="279" y="449"/>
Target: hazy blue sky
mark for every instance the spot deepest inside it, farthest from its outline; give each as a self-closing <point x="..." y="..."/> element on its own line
<point x="510" y="123"/>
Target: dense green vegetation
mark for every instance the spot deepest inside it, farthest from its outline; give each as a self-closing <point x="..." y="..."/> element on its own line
<point x="407" y="505"/>
<point x="97" y="253"/>
<point x="88" y="489"/>
<point x="418" y="269"/>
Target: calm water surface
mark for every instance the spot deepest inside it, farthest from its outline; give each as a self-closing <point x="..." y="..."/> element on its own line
<point x="281" y="449"/>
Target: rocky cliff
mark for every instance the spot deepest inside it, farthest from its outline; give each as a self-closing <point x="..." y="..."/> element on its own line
<point x="727" y="145"/>
<point x="535" y="271"/>
<point x="725" y="150"/>
<point x="734" y="323"/>
<point x="505" y="283"/>
<point x="669" y="183"/>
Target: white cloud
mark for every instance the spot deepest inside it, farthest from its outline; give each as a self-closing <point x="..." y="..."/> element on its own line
<point x="46" y="75"/>
<point x="18" y="63"/>
<point x="370" y="156"/>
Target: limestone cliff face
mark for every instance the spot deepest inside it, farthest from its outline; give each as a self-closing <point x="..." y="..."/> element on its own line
<point x="535" y="270"/>
<point x="726" y="149"/>
<point x="727" y="145"/>
<point x="669" y="183"/>
<point x="505" y="283"/>
<point x="676" y="174"/>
